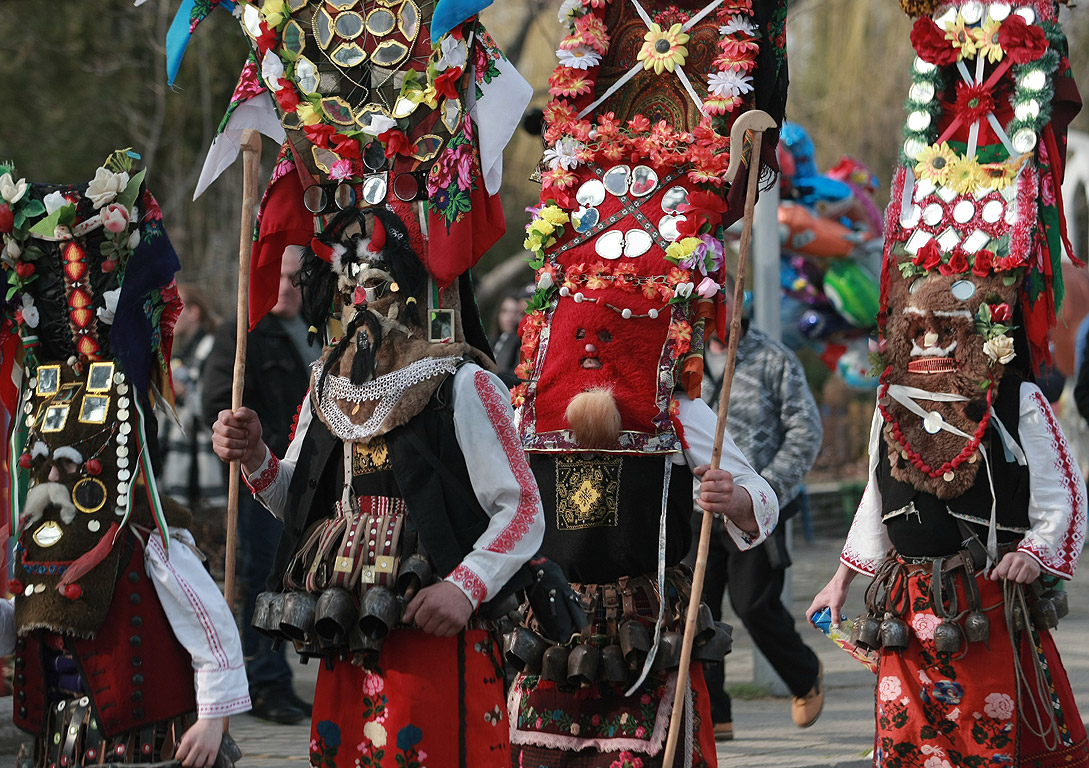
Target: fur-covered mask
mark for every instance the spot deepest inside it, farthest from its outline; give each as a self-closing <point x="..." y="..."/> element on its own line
<point x="947" y="335"/>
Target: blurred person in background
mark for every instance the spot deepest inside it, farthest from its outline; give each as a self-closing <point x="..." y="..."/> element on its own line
<point x="775" y="422"/>
<point x="506" y="344"/>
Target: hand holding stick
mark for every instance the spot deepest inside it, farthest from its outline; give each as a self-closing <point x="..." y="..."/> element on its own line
<point x="756" y="121"/>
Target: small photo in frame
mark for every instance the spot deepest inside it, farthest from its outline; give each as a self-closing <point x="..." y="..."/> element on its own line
<point x="94" y="409"/>
<point x="100" y="377"/>
<point x="440" y="325"/>
<point x="55" y="417"/>
<point x="48" y="379"/>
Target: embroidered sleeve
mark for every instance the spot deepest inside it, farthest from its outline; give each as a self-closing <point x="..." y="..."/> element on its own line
<point x="266" y="475"/>
<point x="270" y="482"/>
<point x="470" y="584"/>
<point x="502" y="482"/>
<point x="202" y="622"/>
<point x="1057" y="503"/>
<point x="868" y="541"/>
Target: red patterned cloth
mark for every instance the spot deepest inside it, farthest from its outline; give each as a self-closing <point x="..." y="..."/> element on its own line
<point x="598" y="727"/>
<point x="436" y="701"/>
<point x="939" y="712"/>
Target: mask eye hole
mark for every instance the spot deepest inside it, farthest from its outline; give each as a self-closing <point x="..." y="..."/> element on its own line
<point x="604" y="336"/>
<point x="580" y="333"/>
<point x="963" y="289"/>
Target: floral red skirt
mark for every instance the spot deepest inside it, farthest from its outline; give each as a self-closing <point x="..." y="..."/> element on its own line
<point x="436" y="702"/>
<point x="556" y="726"/>
<point x="968" y="710"/>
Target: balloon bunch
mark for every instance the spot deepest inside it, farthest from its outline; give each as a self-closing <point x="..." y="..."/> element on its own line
<point x="830" y="234"/>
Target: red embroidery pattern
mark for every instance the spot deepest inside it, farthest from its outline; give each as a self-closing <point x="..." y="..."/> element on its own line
<point x="267" y="476"/>
<point x="1065" y="557"/>
<point x="295" y="420"/>
<point x="529" y="500"/>
<point x="472" y="583"/>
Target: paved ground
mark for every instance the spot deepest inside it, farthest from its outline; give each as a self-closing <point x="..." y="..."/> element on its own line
<point x="765" y="735"/>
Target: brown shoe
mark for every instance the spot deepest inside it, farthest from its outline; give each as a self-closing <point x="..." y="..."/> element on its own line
<point x="724" y="731"/>
<point x="806" y="709"/>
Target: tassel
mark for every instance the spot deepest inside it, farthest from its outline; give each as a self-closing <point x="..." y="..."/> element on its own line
<point x="87" y="561"/>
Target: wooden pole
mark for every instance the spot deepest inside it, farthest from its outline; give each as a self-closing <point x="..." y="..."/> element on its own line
<point x="251" y="162"/>
<point x="757" y="122"/>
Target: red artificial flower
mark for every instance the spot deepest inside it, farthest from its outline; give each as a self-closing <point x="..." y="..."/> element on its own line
<point x="1013" y="261"/>
<point x="1001" y="312"/>
<point x="24" y="269"/>
<point x="109" y="265"/>
<point x="288" y="98"/>
<point x="396" y="143"/>
<point x="345" y="146"/>
<point x="446" y="84"/>
<point x="319" y="134"/>
<point x="928" y="257"/>
<point x="1021" y="41"/>
<point x="930" y="43"/>
<point x="983" y="264"/>
<point x="559" y="114"/>
<point x="692" y="223"/>
<point x="973" y="102"/>
<point x="957" y="264"/>
<point x="267" y="39"/>
<point x="557" y="195"/>
<point x="638" y="124"/>
<point x="7" y="218"/>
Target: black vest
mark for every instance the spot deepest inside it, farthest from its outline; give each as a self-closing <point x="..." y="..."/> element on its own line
<point x="429" y="473"/>
<point x="931" y="529"/>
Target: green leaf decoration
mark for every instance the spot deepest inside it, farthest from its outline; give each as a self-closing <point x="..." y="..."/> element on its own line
<point x="127" y="198"/>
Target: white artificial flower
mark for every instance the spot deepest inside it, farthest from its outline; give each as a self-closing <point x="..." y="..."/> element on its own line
<point x="579" y="57"/>
<point x="106" y="186"/>
<point x="567" y="10"/>
<point x="11" y="251"/>
<point x="272" y="69"/>
<point x="30" y="312"/>
<point x="999" y="349"/>
<point x="563" y="154"/>
<point x="454" y="54"/>
<point x="545" y="282"/>
<point x="729" y="83"/>
<point x="737" y="23"/>
<point x="378" y="124"/>
<point x="684" y="290"/>
<point x="12" y="191"/>
<point x="54" y="201"/>
<point x="106" y="313"/>
<point x="134" y="240"/>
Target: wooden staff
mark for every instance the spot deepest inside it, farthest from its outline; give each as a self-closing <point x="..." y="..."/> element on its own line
<point x="251" y="162"/>
<point x="756" y="121"/>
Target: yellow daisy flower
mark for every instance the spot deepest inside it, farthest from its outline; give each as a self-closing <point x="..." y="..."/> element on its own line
<point x="961" y="38"/>
<point x="986" y="38"/>
<point x="965" y="174"/>
<point x="933" y="163"/>
<point x="553" y="215"/>
<point x="663" y="49"/>
<point x="998" y="176"/>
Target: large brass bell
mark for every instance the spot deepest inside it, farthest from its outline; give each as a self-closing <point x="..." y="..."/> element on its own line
<point x="867" y="633"/>
<point x="1060" y="600"/>
<point x="1044" y="615"/>
<point x="634" y="642"/>
<point x="720" y="644"/>
<point x="583" y="664"/>
<point x="613" y="668"/>
<point x="334" y="616"/>
<point x="894" y="633"/>
<point x="554" y="664"/>
<point x="948" y="637"/>
<point x="414" y="575"/>
<point x="523" y="649"/>
<point x="297" y="621"/>
<point x="669" y="651"/>
<point x="977" y="627"/>
<point x="379" y="612"/>
<point x="262" y="614"/>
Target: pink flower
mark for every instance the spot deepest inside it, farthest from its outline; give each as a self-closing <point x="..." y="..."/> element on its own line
<point x="889" y="688"/>
<point x="999" y="706"/>
<point x="115" y="218"/>
<point x="340" y="170"/>
<point x="644" y="699"/>
<point x="924" y="625"/>
<point x="639" y="732"/>
<point x="707" y="288"/>
<point x="373" y="684"/>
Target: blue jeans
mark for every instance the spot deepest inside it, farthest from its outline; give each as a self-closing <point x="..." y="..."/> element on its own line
<point x="258" y="536"/>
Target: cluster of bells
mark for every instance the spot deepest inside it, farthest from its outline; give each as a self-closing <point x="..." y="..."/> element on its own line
<point x="598" y="658"/>
<point x="872" y="633"/>
<point x="337" y="624"/>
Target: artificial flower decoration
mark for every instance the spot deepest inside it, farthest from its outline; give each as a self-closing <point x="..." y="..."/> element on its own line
<point x="12" y="191"/>
<point x="974" y="102"/>
<point x="1022" y="42"/>
<point x="663" y="50"/>
<point x="106" y="186"/>
<point x="933" y="162"/>
<point x="988" y="42"/>
<point x="991" y="323"/>
<point x="961" y="37"/>
<point x="965" y="175"/>
<point x="579" y="57"/>
<point x="729" y="83"/>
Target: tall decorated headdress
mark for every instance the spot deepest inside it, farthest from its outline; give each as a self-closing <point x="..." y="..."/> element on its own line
<point x="402" y="105"/>
<point x="971" y="277"/>
<point x="88" y="321"/>
<point x="627" y="240"/>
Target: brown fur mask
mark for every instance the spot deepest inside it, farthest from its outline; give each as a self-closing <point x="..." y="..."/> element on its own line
<point x="934" y="344"/>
